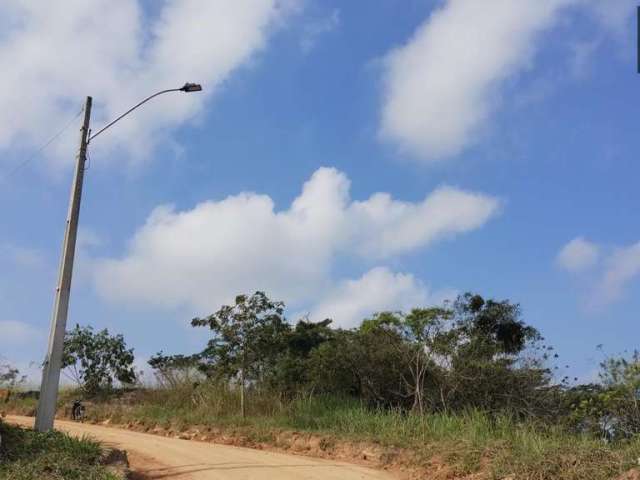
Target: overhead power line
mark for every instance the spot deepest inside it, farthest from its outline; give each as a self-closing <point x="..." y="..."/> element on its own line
<point x="42" y="147"/>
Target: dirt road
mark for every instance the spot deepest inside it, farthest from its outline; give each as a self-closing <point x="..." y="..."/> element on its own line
<point x="154" y="457"/>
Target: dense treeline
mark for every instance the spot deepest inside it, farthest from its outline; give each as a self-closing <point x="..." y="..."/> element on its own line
<point x="468" y="383"/>
<point x="471" y="354"/>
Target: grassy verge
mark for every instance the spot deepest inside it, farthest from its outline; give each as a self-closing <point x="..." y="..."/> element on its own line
<point x="455" y="445"/>
<point x="28" y="455"/>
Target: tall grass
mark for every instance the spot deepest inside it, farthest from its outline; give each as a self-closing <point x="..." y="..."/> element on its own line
<point x="467" y="442"/>
<point x="528" y="449"/>
<point x="28" y="455"/>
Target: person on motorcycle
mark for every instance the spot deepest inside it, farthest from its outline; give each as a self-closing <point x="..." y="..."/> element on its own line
<point x="77" y="411"/>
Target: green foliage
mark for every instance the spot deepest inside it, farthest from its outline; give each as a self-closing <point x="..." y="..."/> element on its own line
<point x="173" y="370"/>
<point x="96" y="360"/>
<point x="475" y="354"/>
<point x="291" y="371"/>
<point x="252" y="343"/>
<point x="468" y="383"/>
<point x="493" y="360"/>
<point x="419" y="340"/>
<point x="470" y="354"/>
<point x="612" y="408"/>
<point x="362" y="363"/>
<point x="464" y="443"/>
<point x="28" y="455"/>
<point x="247" y="337"/>
<point x="491" y="328"/>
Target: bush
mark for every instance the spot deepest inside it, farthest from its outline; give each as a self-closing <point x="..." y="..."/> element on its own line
<point x="28" y="455"/>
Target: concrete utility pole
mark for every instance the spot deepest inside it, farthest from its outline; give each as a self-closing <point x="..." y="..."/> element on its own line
<point x="53" y="360"/>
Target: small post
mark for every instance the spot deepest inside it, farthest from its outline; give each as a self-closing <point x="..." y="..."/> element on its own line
<point x="53" y="361"/>
<point x="242" y="407"/>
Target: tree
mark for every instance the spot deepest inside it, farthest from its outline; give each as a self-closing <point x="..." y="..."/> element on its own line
<point x="611" y="407"/>
<point x="421" y="332"/>
<point x="291" y="373"/>
<point x="621" y="396"/>
<point x="365" y="363"/>
<point x="96" y="360"/>
<point x="247" y="339"/>
<point x="173" y="370"/>
<point x="485" y="355"/>
<point x="10" y="376"/>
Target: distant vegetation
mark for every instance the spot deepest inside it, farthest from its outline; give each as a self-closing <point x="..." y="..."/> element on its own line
<point x="473" y="354"/>
<point x="468" y="382"/>
<point x="10" y="377"/>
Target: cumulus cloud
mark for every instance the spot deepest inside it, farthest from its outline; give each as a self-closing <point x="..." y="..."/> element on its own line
<point x="578" y="255"/>
<point x="377" y="290"/>
<point x="114" y="51"/>
<point x="623" y="266"/>
<point x="204" y="256"/>
<point x="618" y="268"/>
<point x="440" y="87"/>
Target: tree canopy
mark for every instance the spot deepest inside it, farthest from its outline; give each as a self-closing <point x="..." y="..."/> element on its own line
<point x="95" y="360"/>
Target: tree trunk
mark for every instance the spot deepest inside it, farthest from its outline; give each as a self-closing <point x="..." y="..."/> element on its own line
<point x="418" y="391"/>
<point x="243" y="411"/>
<point x="242" y="407"/>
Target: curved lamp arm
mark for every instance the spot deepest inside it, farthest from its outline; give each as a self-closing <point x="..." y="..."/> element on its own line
<point x="187" y="87"/>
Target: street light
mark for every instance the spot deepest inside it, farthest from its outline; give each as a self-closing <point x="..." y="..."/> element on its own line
<point x="187" y="87"/>
<point x="190" y="87"/>
<point x="53" y="360"/>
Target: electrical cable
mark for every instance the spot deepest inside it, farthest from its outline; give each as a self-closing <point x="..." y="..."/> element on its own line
<point x="39" y="150"/>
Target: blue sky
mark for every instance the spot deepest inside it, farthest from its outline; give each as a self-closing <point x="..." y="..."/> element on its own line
<point x="346" y="157"/>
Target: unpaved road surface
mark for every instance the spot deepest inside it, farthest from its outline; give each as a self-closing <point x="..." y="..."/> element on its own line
<point x="155" y="457"/>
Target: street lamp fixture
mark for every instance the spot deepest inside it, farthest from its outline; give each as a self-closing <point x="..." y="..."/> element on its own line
<point x="53" y="361"/>
<point x="191" y="87"/>
<point x="187" y="87"/>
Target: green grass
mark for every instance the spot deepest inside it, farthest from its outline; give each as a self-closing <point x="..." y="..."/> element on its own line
<point x="467" y="443"/>
<point x="28" y="455"/>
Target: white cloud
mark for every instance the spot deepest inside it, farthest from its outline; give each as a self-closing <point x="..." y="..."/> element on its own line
<point x="204" y="256"/>
<point x="401" y="226"/>
<point x="88" y="238"/>
<point x="88" y="241"/>
<point x="14" y="333"/>
<point x="377" y="290"/>
<point x="112" y="50"/>
<point x="315" y="29"/>
<point x="607" y="284"/>
<point x="578" y="255"/>
<point x="440" y="87"/>
<point x="623" y="266"/>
